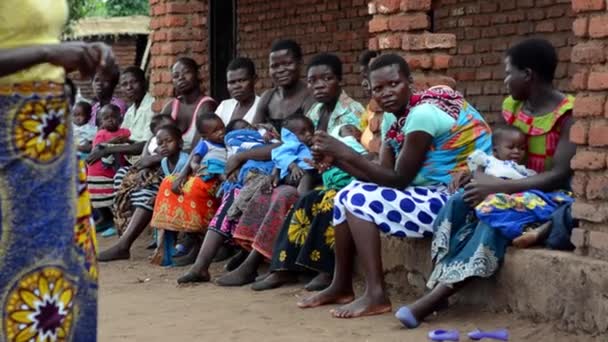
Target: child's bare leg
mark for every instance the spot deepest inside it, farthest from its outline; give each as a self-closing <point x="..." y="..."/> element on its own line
<point x="533" y="237"/>
<point x="307" y="183"/>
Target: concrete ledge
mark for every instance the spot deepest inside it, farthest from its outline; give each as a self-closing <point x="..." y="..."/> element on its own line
<point x="537" y="284"/>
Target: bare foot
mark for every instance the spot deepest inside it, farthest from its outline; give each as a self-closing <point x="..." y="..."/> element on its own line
<point x="533" y="237"/>
<point x="364" y="306"/>
<point x="238" y="277"/>
<point x="194" y="277"/>
<point x="113" y="253"/>
<point x="236" y="261"/>
<point x="328" y="296"/>
<point x="275" y="280"/>
<point x="319" y="283"/>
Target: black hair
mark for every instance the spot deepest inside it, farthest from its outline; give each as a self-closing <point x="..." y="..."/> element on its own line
<point x="86" y="107"/>
<point x="72" y="87"/>
<point x="298" y="117"/>
<point x="536" y="54"/>
<point x="242" y="63"/>
<point x="114" y="108"/>
<point x="289" y="45"/>
<point x="388" y="60"/>
<point x="330" y="60"/>
<point x="202" y="118"/>
<point x="366" y="57"/>
<point x="233" y="125"/>
<point x="114" y="73"/>
<point x="156" y="119"/>
<point x="173" y="130"/>
<point x="188" y="62"/>
<point x="139" y="74"/>
<point x="500" y="131"/>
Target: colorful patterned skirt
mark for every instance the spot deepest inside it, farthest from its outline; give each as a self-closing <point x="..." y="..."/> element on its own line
<point x="306" y="240"/>
<point x="48" y="272"/>
<point x="262" y="219"/>
<point x="190" y="211"/>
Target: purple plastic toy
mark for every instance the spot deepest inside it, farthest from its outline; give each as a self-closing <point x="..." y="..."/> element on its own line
<point x="501" y="335"/>
<point x="444" y="335"/>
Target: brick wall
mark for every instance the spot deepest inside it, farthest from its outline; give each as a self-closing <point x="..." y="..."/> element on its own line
<point x="590" y="132"/>
<point x="405" y="27"/>
<point x="180" y="29"/>
<point x="337" y="26"/>
<point x="485" y="29"/>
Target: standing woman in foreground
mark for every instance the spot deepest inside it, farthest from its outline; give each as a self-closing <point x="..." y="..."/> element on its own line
<point x="48" y="277"/>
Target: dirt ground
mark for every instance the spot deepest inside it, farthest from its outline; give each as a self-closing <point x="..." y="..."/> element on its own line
<point x="142" y="302"/>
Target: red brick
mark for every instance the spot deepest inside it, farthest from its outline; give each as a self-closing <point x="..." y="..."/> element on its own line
<point x="579" y="184"/>
<point x="158" y="10"/>
<point x="392" y="41"/>
<point x="434" y="80"/>
<point x="387" y="6"/>
<point x="419" y="61"/>
<point x="378" y="24"/>
<point x="555" y="12"/>
<point x="598" y="135"/>
<point x="545" y="26"/>
<point x="409" y="22"/>
<point x="439" y="40"/>
<point x="598" y="26"/>
<point x="536" y="14"/>
<point x="175" y="21"/>
<point x="158" y="36"/>
<point x="588" y="53"/>
<point x="415" y="5"/>
<point x="589" y="105"/>
<point x="488" y="7"/>
<point x="588" y="160"/>
<point x="524" y="3"/>
<point x="597" y="187"/>
<point x="155" y="23"/>
<point x="578" y="133"/>
<point x="579" y="80"/>
<point x="598" y="80"/>
<point x="182" y="8"/>
<point x="465" y="48"/>
<point x="588" y="5"/>
<point x="373" y="44"/>
<point x="589" y="212"/>
<point x="199" y="20"/>
<point x="483" y="75"/>
<point x="441" y="61"/>
<point x="465" y="76"/>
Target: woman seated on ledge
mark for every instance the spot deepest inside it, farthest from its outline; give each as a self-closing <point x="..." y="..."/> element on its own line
<point x="401" y="197"/>
<point x="465" y="248"/>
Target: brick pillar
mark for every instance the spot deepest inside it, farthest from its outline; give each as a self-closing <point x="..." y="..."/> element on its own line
<point x="403" y="26"/>
<point x="590" y="131"/>
<point x="179" y="29"/>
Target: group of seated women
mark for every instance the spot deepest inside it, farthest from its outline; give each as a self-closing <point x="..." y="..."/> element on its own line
<point x="305" y="178"/>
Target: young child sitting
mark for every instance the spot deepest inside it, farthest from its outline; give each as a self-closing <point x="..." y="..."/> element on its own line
<point x="514" y="214"/>
<point x="100" y="175"/>
<point x="84" y="132"/>
<point x="290" y="158"/>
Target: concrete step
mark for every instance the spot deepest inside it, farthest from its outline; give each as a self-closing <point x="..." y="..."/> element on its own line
<point x="537" y="284"/>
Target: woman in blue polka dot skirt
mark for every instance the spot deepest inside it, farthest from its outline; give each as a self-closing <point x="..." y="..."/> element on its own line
<point x="402" y="195"/>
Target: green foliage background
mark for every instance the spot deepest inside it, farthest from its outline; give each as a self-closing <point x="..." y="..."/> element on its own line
<point x="106" y="8"/>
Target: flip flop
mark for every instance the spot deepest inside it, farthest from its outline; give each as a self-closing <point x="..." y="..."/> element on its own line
<point x="405" y="316"/>
<point x="109" y="232"/>
<point x="500" y="335"/>
<point x="444" y="335"/>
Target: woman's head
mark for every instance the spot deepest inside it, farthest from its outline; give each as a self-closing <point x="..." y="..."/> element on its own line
<point x="390" y="78"/>
<point x="105" y="82"/>
<point x="237" y="124"/>
<point x="529" y="64"/>
<point x="211" y="127"/>
<point x="364" y="60"/>
<point x="241" y="78"/>
<point x="285" y="60"/>
<point x="81" y="113"/>
<point x="301" y="126"/>
<point x="509" y="143"/>
<point x="133" y="83"/>
<point x="110" y="117"/>
<point x="169" y="140"/>
<point x="185" y="76"/>
<point x="324" y="74"/>
<point x="160" y="120"/>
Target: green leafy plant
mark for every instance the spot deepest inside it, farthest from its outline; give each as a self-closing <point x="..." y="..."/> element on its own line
<point x="121" y="8"/>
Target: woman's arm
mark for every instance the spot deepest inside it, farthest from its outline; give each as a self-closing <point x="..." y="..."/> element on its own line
<point x="261" y="114"/>
<point x="408" y="164"/>
<point x="259" y="153"/>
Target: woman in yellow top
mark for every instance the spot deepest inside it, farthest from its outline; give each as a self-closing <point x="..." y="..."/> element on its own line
<point x="48" y="276"/>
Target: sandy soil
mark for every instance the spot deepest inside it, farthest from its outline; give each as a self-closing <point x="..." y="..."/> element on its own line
<point x="141" y="302"/>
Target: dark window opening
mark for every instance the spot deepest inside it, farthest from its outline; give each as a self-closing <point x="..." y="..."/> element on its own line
<point x="222" y="44"/>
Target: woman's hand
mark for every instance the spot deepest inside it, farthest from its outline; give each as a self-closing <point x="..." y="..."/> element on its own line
<point x="144" y="163"/>
<point x="178" y="183"/>
<point x="96" y="155"/>
<point x="118" y="140"/>
<point x="480" y="187"/>
<point x="325" y="148"/>
<point x="295" y="173"/>
<point x="459" y="179"/>
<point x="87" y="58"/>
<point x="233" y="164"/>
